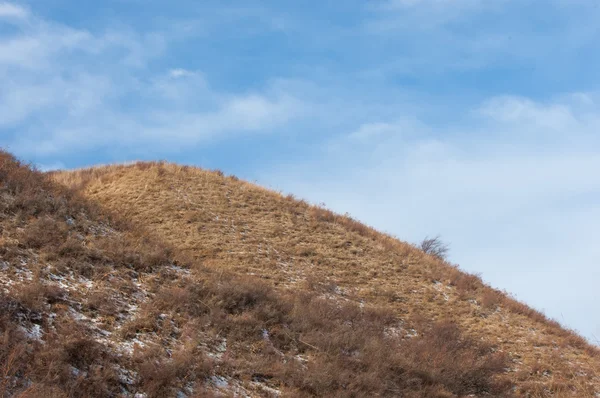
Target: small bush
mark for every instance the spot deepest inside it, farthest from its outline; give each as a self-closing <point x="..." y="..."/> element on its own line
<point x="44" y="231"/>
<point x="490" y="299"/>
<point x="466" y="284"/>
<point x="36" y="295"/>
<point x="321" y="214"/>
<point x="443" y="347"/>
<point x="159" y="374"/>
<point x="435" y="247"/>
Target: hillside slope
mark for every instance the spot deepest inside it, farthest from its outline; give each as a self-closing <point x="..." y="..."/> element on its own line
<point x="230" y="226"/>
<point x="93" y="305"/>
<point x="70" y="277"/>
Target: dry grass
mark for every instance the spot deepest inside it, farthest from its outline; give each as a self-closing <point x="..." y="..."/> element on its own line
<point x="239" y="284"/>
<point x="344" y="344"/>
<point x="233" y="226"/>
<point x="79" y="288"/>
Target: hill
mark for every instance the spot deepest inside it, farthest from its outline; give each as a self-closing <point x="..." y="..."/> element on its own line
<point x="157" y="280"/>
<point x="93" y="305"/>
<point x="232" y="226"/>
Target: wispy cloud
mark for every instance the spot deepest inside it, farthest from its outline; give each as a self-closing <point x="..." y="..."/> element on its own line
<point x="61" y="84"/>
<point x="442" y="37"/>
<point x="12" y="11"/>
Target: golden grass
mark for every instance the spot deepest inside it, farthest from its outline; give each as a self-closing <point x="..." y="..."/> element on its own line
<point x="91" y="308"/>
<point x="230" y="225"/>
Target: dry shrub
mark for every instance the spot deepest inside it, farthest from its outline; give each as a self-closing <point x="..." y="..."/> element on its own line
<point x="321" y="214"/>
<point x="76" y="364"/>
<point x="443" y="347"/>
<point x="490" y="298"/>
<point x="12" y="367"/>
<point x="435" y="247"/>
<point x="159" y="374"/>
<point x="351" y="355"/>
<point x="145" y="322"/>
<point x="72" y="248"/>
<point x="34" y="296"/>
<point x="237" y="295"/>
<point x="33" y="194"/>
<point x="68" y="364"/>
<point x="44" y="231"/>
<point x="102" y="301"/>
<point x="346" y="344"/>
<point x="55" y="222"/>
<point x="351" y="346"/>
<point x="358" y="227"/>
<point x="466" y="284"/>
<point x="14" y="348"/>
<point x="125" y="252"/>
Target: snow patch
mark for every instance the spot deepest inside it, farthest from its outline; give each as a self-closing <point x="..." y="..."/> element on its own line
<point x="127" y="376"/>
<point x="219" y="381"/>
<point x="129" y="346"/>
<point x="35" y="332"/>
<point x="219" y="350"/>
<point x="269" y="390"/>
<point x="411" y="333"/>
<point x="180" y="270"/>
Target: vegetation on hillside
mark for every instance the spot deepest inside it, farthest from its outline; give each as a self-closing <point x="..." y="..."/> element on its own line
<point x="97" y="300"/>
<point x="79" y="287"/>
<point x="230" y="225"/>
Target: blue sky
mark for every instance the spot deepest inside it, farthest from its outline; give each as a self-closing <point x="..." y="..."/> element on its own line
<point x="475" y="119"/>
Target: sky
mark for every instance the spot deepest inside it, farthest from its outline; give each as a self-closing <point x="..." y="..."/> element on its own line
<point x="478" y="120"/>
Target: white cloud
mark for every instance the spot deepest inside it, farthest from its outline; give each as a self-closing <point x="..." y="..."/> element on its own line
<point x="382" y="131"/>
<point x="63" y="90"/>
<point x="12" y="11"/>
<point x="522" y="110"/>
<point x="256" y="112"/>
<point x="227" y="115"/>
<point x="439" y="37"/>
<point x="168" y="130"/>
<point x="180" y="72"/>
<point x="40" y="44"/>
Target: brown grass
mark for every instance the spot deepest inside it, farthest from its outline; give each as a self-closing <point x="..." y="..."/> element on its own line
<point x="238" y="282"/>
<point x="66" y="239"/>
<point x="236" y="226"/>
<point x="345" y="344"/>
